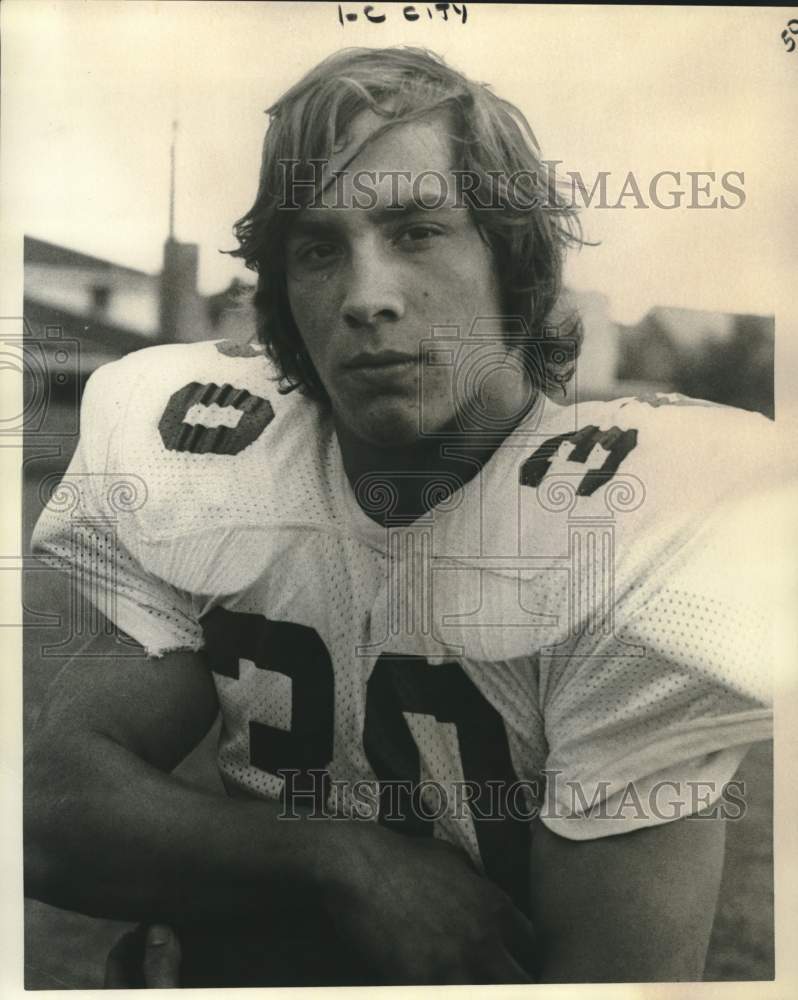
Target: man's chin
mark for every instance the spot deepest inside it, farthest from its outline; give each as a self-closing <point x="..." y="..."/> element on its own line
<point x="386" y="426"/>
<point x="388" y="435"/>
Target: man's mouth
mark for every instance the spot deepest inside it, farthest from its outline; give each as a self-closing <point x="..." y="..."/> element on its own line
<point x="379" y="360"/>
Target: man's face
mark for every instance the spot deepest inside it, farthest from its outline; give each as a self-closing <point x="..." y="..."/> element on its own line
<point x="366" y="285"/>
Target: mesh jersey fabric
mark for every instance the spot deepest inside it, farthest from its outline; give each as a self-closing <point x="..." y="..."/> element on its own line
<point x="566" y="618"/>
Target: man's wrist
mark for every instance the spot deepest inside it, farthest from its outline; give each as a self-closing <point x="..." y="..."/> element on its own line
<point x="325" y="857"/>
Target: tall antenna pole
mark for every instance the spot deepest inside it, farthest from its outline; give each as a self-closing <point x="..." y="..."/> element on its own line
<point x="172" y="182"/>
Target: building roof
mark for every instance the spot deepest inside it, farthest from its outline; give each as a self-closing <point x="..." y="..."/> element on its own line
<point x="681" y="312"/>
<point x="689" y="326"/>
<point x="123" y="339"/>
<point x="51" y="254"/>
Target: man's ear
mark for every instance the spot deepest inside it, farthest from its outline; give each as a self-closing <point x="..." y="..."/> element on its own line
<point x="563" y="333"/>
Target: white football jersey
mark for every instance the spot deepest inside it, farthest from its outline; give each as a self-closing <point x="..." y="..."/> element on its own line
<point x="582" y="617"/>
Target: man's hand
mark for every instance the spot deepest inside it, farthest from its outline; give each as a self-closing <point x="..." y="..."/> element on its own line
<point x="408" y="911"/>
<point x="418" y="913"/>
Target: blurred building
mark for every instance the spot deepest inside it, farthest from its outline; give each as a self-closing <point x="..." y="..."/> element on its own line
<point x="722" y="357"/>
<point x="596" y="369"/>
<point x="96" y="290"/>
<point x="107" y="309"/>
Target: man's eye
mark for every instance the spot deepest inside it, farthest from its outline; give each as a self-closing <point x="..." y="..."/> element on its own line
<point x="418" y="235"/>
<point x="318" y="254"/>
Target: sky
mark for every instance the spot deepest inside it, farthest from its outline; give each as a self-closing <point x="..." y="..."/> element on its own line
<point x="91" y="90"/>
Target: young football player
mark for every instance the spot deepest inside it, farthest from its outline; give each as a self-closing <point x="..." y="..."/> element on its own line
<point x="481" y="658"/>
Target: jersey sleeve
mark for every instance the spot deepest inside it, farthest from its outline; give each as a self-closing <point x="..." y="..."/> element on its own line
<point x="649" y="723"/>
<point x="83" y="527"/>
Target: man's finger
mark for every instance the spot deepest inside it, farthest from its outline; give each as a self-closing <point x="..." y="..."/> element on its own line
<point x="123" y="966"/>
<point x="161" y="958"/>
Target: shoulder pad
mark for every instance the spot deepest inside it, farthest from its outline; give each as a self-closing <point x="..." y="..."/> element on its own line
<point x="649" y="471"/>
<point x="206" y="431"/>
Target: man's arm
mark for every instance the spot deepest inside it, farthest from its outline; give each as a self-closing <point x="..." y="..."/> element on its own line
<point x="636" y="907"/>
<point x="110" y="833"/>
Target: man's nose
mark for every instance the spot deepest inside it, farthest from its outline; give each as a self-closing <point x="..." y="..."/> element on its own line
<point x="372" y="293"/>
